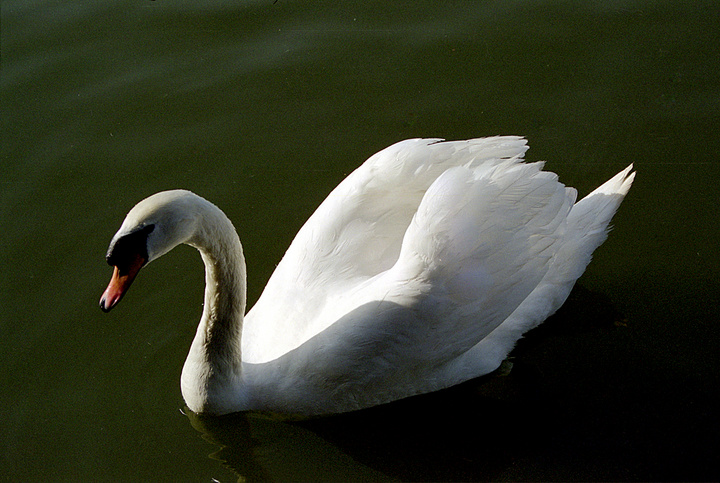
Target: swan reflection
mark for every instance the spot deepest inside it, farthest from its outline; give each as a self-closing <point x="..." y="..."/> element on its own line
<point x="459" y="433"/>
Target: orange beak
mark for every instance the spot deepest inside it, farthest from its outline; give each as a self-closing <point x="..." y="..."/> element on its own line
<point x="120" y="283"/>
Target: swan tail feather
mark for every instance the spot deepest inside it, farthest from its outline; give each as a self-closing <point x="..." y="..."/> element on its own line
<point x="588" y="225"/>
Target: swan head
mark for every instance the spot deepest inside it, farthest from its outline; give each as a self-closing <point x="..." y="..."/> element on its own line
<point x="152" y="228"/>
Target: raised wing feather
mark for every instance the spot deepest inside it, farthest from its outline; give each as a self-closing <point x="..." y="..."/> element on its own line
<point x="357" y="233"/>
<point x="358" y="229"/>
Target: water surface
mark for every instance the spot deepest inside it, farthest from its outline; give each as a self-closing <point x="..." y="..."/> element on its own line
<point x="263" y="108"/>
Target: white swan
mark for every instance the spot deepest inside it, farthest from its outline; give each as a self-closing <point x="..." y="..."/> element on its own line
<point x="419" y="271"/>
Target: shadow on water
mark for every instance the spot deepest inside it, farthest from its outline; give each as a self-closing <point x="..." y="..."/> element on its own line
<point x="475" y="431"/>
<point x="423" y="438"/>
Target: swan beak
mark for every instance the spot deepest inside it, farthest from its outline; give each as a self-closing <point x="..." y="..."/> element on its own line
<point x="120" y="283"/>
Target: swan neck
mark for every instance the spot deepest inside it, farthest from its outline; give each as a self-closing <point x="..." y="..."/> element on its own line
<point x="224" y="304"/>
<point x="214" y="362"/>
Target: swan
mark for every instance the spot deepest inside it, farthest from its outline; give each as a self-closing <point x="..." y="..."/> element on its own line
<point x="419" y="271"/>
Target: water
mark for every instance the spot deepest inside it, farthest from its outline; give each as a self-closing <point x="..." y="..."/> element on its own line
<point x="262" y="108"/>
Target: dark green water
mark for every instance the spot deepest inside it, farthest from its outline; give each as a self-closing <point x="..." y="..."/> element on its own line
<point x="262" y="108"/>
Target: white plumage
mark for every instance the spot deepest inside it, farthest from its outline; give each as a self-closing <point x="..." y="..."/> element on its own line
<point x="419" y="271"/>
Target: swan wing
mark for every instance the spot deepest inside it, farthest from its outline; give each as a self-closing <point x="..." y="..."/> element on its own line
<point x="480" y="243"/>
<point x="357" y="234"/>
<point x="358" y="229"/>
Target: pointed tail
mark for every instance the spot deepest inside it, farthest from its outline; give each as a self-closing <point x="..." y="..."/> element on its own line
<point x="588" y="222"/>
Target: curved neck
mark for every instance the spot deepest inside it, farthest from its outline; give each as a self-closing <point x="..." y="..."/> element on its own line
<point x="214" y="361"/>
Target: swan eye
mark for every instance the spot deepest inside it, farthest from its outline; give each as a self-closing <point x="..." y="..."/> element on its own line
<point x="128" y="247"/>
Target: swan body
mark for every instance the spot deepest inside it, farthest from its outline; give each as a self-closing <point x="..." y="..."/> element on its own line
<point x="419" y="271"/>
